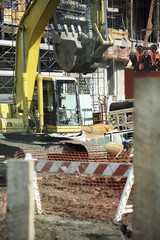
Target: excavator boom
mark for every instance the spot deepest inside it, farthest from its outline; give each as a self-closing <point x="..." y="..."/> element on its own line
<point x="28" y="40"/>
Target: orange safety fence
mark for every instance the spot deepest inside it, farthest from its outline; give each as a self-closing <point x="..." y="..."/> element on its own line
<point x="76" y="156"/>
<point x="74" y="185"/>
<point x="81" y="196"/>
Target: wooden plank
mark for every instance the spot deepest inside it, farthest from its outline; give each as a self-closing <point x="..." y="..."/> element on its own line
<point x="22" y="5"/>
<point x="117" y="34"/>
<point x="20" y="200"/>
<point x="14" y="16"/>
<point x="146" y="215"/>
<point x="7" y="15"/>
<point x="2" y="157"/>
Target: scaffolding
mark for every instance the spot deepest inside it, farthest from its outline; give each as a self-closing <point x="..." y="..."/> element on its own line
<point x="10" y="15"/>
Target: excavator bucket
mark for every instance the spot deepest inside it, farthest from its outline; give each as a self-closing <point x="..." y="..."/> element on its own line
<point x="75" y="51"/>
<point x="81" y="51"/>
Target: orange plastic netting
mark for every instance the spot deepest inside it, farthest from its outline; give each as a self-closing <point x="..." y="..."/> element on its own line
<point x="82" y="197"/>
<point x="87" y="194"/>
<point x="76" y="156"/>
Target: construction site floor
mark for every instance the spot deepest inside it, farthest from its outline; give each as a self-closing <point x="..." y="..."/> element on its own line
<point x="51" y="227"/>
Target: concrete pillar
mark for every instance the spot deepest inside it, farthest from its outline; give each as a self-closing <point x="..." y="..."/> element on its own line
<point x="146" y="211"/>
<point x="20" y="200"/>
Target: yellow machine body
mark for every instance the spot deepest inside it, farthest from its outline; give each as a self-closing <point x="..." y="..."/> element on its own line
<point x="58" y="129"/>
<point x="11" y="125"/>
<point x="5" y="110"/>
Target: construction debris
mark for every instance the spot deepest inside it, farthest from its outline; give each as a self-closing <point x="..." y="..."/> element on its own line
<point x="97" y="130"/>
<point x="114" y="148"/>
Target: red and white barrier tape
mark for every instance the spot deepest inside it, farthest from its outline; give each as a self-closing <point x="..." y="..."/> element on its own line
<point x="86" y="168"/>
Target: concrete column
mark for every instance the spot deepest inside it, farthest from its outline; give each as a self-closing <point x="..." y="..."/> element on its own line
<point x="146" y="211"/>
<point x="20" y="200"/>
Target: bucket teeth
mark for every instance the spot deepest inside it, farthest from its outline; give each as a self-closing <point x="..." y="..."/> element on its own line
<point x="79" y="29"/>
<point x="73" y="30"/>
<point x="66" y="29"/>
<point x="59" y="28"/>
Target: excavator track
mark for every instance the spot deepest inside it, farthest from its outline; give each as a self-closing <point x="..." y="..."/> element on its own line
<point x="26" y="143"/>
<point x="94" y="151"/>
<point x="49" y="150"/>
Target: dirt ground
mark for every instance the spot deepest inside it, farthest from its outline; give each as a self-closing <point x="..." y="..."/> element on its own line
<point x="51" y="227"/>
<point x="54" y="227"/>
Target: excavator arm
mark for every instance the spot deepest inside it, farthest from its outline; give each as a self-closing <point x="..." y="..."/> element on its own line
<point x="98" y="11"/>
<point x="28" y="40"/>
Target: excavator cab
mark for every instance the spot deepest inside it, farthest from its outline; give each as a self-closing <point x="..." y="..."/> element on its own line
<point x="61" y="108"/>
<point x="61" y="105"/>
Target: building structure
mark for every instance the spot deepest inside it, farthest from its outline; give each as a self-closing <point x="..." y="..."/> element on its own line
<point x="127" y="20"/>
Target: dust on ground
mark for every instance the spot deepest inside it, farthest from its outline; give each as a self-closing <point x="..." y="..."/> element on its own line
<point x="52" y="227"/>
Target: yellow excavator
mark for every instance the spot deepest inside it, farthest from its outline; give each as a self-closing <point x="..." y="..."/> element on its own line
<point x="44" y="106"/>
